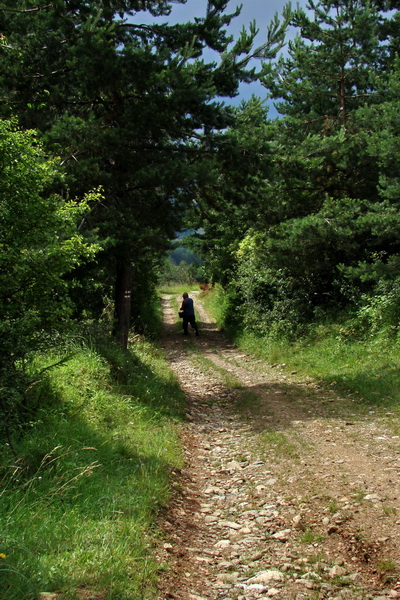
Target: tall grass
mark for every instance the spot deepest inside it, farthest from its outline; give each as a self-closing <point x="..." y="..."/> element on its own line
<point x="366" y="365"/>
<point x="82" y="486"/>
<point x="216" y="304"/>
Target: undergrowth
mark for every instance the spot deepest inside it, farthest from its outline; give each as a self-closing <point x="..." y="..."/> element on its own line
<point x="82" y="486"/>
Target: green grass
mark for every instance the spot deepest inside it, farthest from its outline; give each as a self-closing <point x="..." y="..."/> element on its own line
<point x="176" y="303"/>
<point x="367" y="369"/>
<point x="213" y="302"/>
<point x="386" y="565"/>
<point x="177" y="289"/>
<point x="309" y="536"/>
<point x="248" y="402"/>
<point x="82" y="488"/>
<point x="279" y="443"/>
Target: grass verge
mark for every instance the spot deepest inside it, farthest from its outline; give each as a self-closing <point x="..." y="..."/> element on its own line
<point x="82" y="487"/>
<point x="367" y="368"/>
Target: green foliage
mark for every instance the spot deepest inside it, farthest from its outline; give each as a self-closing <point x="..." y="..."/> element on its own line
<point x="231" y="195"/>
<point x="357" y="354"/>
<point x="221" y="304"/>
<point x="39" y="244"/>
<point x="173" y="289"/>
<point x="379" y="313"/>
<point x="343" y="37"/>
<point x="128" y="108"/>
<point x="301" y="214"/>
<point x="81" y="490"/>
<point x="39" y="239"/>
<point x="181" y="254"/>
<point x="173" y="274"/>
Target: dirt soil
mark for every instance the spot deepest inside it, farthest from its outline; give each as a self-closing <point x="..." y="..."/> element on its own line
<point x="288" y="491"/>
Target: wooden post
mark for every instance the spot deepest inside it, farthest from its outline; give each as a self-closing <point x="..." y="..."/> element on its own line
<point x="123" y="292"/>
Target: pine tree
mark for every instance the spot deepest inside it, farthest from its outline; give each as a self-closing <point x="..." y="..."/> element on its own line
<point x="122" y="104"/>
<point x="317" y="232"/>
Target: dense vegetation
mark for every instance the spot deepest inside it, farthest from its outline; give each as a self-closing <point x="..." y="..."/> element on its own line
<point x="103" y="123"/>
<point x="115" y="134"/>
<point x="301" y="218"/>
<point x="81" y="489"/>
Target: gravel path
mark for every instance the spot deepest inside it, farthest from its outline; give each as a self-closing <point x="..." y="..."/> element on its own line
<point x="287" y="490"/>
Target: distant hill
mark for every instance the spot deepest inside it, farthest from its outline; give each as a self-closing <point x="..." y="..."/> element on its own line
<point x="182" y="254"/>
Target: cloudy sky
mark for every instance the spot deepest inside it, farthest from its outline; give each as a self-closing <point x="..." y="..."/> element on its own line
<point x="262" y="11"/>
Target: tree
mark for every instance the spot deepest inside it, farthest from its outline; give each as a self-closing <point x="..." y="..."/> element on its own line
<point x="311" y="224"/>
<point x="230" y="189"/>
<point x="380" y="126"/>
<point x="332" y="73"/>
<point x="39" y="244"/>
<point x="330" y="67"/>
<point x="124" y="105"/>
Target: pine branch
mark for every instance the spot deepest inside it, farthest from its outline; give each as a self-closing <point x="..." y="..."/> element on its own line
<point x="26" y="10"/>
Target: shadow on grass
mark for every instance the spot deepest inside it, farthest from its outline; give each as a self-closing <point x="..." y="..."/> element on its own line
<point x="373" y="387"/>
<point x="132" y="376"/>
<point x="89" y="475"/>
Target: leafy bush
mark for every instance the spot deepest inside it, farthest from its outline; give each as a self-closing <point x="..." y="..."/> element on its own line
<point x="380" y="312"/>
<point x="39" y="244"/>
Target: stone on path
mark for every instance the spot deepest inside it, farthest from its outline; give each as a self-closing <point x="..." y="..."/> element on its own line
<point x="267" y="576"/>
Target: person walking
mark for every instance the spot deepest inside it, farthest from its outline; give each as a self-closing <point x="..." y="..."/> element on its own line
<point x="188" y="314"/>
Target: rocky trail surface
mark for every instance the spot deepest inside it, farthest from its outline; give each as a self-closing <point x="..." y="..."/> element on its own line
<point x="288" y="491"/>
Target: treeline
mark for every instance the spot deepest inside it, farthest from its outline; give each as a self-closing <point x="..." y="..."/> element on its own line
<point x="301" y="218"/>
<point x="104" y="123"/>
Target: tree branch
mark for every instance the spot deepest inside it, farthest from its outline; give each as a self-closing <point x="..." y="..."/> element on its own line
<point x="26" y="10"/>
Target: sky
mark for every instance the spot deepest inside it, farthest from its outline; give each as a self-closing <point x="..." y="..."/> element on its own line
<point x="262" y="11"/>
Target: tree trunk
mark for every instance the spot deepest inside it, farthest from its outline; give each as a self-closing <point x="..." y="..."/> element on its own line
<point x="123" y="287"/>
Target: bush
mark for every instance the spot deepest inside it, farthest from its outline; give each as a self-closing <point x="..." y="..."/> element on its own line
<point x="39" y="245"/>
<point x="380" y="312"/>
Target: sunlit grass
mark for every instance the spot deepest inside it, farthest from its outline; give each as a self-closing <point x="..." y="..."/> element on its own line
<point x="81" y="489"/>
<point x="281" y="444"/>
<point x="177" y="289"/>
<point x="309" y="536"/>
<point x="366" y="369"/>
<point x="213" y="302"/>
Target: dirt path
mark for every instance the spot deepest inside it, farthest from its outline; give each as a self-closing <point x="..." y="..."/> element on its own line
<point x="287" y="492"/>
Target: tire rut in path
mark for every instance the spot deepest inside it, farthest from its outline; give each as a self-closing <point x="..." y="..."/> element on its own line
<point x="269" y="503"/>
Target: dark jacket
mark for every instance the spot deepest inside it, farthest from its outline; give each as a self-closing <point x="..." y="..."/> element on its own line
<point x="188" y="307"/>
